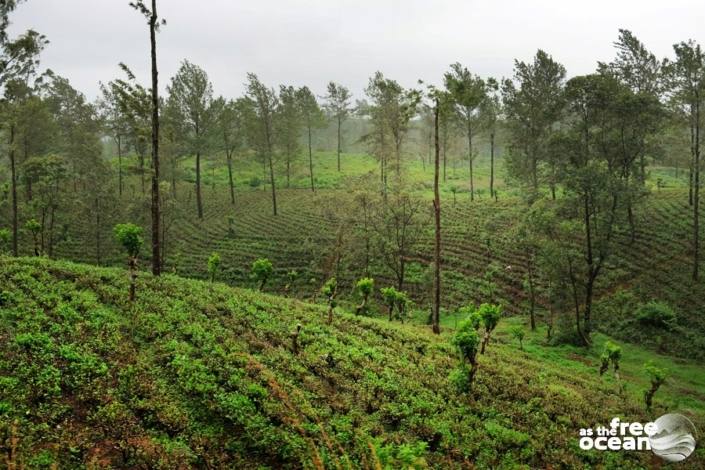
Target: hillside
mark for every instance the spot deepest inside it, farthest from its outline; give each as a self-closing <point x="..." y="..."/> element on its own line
<point x="477" y="238"/>
<point x="205" y="375"/>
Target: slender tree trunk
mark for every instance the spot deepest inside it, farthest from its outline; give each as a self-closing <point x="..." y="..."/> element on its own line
<point x="288" y="167"/>
<point x="173" y="175"/>
<point x="492" y="164"/>
<point x="13" y="183"/>
<point x="532" y="290"/>
<point x="340" y="123"/>
<point x="52" y="209"/>
<point x="437" y="220"/>
<point x="199" y="201"/>
<point x="97" y="232"/>
<point x="472" y="182"/>
<point x="28" y="178"/>
<point x="445" y="154"/>
<point x="156" y="218"/>
<point x="591" y="269"/>
<point x="230" y="177"/>
<point x="696" y="195"/>
<point x="118" y="140"/>
<point x="271" y="179"/>
<point x="310" y="155"/>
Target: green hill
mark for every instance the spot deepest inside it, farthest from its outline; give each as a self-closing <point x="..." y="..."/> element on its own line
<point x="204" y="375"/>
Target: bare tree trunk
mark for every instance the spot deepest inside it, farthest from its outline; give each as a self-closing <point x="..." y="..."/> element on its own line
<point x="339" y="140"/>
<point x="230" y="177"/>
<point x="13" y="182"/>
<point x="50" y="233"/>
<point x="437" y="220"/>
<point x="696" y="194"/>
<point x="271" y="178"/>
<point x="472" y="182"/>
<point x="310" y="155"/>
<point x="492" y="164"/>
<point x="156" y="250"/>
<point x="118" y="141"/>
<point x="199" y="201"/>
<point x="97" y="232"/>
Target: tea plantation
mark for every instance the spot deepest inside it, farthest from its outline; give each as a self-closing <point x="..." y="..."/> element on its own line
<point x="202" y="374"/>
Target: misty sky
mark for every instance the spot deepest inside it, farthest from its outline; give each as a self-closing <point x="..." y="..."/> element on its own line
<point x="311" y="42"/>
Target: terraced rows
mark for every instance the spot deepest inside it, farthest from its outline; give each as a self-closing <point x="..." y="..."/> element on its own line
<point x="657" y="264"/>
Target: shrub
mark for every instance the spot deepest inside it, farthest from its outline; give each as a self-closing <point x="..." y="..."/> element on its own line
<point x="402" y="301"/>
<point x="213" y="265"/>
<point x="470" y="313"/>
<point x="34" y="228"/>
<point x="364" y="286"/>
<point x="658" y="314"/>
<point x="291" y="277"/>
<point x="5" y="238"/>
<point x="467" y="341"/>
<point x="329" y="290"/>
<point x="262" y="270"/>
<point x="130" y="237"/>
<point x="490" y="315"/>
<point x="611" y="354"/>
<point x="657" y="377"/>
<point x="255" y="182"/>
<point x="518" y="333"/>
<point x="389" y="294"/>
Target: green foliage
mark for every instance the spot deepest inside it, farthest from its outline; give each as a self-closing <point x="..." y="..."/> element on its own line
<point x="657" y="376"/>
<point x="389" y="294"/>
<point x="467" y="341"/>
<point x="490" y="315"/>
<point x="130" y="237"/>
<point x="658" y="314"/>
<point x="5" y="237"/>
<point x="33" y="226"/>
<point x="330" y="288"/>
<point x="612" y="353"/>
<point x="400" y="456"/>
<point x="213" y="265"/>
<point x="197" y="361"/>
<point x="365" y="286"/>
<point x="518" y="332"/>
<point x="470" y="313"/>
<point x="262" y="270"/>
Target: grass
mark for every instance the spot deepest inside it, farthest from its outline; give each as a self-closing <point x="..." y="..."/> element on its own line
<point x="203" y="374"/>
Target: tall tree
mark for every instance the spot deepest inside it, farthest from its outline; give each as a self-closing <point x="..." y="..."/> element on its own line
<point x="116" y="126"/>
<point x="193" y="95"/>
<point x="288" y="123"/>
<point x="686" y="77"/>
<point x="533" y="102"/>
<point x="490" y="111"/>
<point x="263" y="102"/>
<point x="338" y="106"/>
<point x="18" y="63"/>
<point x="134" y="107"/>
<point x="468" y="92"/>
<point x="593" y="141"/>
<point x="231" y="130"/>
<point x="154" y="23"/>
<point x="639" y="69"/>
<point x="313" y="118"/>
<point x="391" y="109"/>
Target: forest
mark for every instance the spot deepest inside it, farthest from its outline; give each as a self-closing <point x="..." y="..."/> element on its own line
<point x="459" y="274"/>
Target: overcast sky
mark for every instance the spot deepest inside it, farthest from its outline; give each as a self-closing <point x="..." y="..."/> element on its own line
<point x="311" y="42"/>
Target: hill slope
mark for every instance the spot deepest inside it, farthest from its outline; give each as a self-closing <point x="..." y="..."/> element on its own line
<point x="204" y="375"/>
